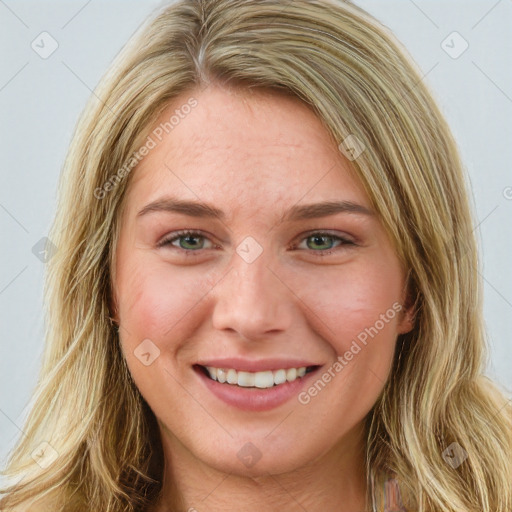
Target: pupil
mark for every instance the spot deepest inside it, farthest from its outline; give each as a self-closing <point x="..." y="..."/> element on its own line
<point x="189" y="240"/>
<point x="321" y="240"/>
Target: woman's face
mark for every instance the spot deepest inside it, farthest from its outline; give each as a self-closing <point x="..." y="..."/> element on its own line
<point x="287" y="271"/>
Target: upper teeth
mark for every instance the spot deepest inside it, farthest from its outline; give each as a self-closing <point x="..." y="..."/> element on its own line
<point x="265" y="379"/>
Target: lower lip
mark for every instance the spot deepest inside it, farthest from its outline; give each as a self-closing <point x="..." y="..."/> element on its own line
<point x="255" y="399"/>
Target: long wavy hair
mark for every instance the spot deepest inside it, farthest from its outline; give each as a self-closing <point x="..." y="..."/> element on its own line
<point x="103" y="450"/>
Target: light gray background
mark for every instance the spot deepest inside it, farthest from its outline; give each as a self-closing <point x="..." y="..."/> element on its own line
<point x="40" y="100"/>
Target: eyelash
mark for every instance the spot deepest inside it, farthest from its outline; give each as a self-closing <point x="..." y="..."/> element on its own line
<point x="167" y="241"/>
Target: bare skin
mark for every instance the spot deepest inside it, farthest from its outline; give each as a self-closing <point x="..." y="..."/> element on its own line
<point x="255" y="156"/>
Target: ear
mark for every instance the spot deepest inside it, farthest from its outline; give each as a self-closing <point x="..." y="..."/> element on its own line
<point x="410" y="302"/>
<point x="407" y="320"/>
<point x="112" y="307"/>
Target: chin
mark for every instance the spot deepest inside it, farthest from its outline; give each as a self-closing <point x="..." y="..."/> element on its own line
<point x="257" y="457"/>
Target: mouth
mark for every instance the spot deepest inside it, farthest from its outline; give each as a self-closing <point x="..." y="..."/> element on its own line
<point x="255" y="385"/>
<point x="255" y="380"/>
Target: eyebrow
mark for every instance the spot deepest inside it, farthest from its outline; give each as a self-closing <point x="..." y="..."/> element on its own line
<point x="295" y="213"/>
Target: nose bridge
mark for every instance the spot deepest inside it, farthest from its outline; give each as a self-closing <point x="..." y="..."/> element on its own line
<point x="251" y="279"/>
<point x="251" y="299"/>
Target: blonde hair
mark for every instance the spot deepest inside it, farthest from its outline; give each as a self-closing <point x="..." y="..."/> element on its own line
<point x="359" y="82"/>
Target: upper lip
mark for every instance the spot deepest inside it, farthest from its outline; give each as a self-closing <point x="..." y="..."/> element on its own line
<point x="260" y="365"/>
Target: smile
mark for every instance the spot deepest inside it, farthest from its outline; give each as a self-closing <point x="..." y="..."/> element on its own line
<point x="257" y="385"/>
<point x="261" y="380"/>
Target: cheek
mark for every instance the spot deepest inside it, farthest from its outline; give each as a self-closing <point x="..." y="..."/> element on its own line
<point x="358" y="302"/>
<point x="356" y="310"/>
<point x="158" y="301"/>
<point x="160" y="304"/>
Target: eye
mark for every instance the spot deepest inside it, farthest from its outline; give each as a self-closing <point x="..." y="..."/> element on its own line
<point x="188" y="241"/>
<point x="324" y="243"/>
<point x="318" y="242"/>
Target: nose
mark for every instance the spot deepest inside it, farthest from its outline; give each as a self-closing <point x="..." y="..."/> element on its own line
<point x="252" y="300"/>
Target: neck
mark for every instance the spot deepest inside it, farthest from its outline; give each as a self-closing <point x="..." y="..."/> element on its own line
<point x="334" y="481"/>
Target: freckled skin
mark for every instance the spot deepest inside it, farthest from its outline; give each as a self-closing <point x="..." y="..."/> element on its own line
<point x="255" y="156"/>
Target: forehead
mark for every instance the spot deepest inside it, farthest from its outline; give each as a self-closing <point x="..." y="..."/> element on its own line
<point x="254" y="147"/>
